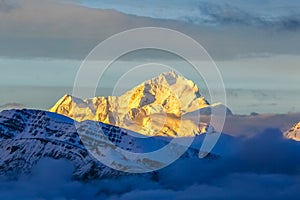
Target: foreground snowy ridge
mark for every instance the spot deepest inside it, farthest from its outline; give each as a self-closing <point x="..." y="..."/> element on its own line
<point x="26" y="136"/>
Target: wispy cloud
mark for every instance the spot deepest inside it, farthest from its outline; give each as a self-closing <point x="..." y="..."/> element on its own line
<point x="224" y="14"/>
<point x="8" y="5"/>
<point x="279" y="14"/>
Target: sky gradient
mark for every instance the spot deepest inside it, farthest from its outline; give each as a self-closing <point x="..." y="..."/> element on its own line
<point x="255" y="44"/>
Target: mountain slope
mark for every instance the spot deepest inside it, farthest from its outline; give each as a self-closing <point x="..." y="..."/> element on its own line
<point x="157" y="107"/>
<point x="26" y="136"/>
<point x="294" y="132"/>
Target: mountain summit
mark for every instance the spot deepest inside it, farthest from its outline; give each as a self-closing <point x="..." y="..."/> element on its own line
<point x="294" y="132"/>
<point x="157" y="107"/>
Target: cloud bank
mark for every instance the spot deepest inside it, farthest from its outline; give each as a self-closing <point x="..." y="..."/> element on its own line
<point x="263" y="167"/>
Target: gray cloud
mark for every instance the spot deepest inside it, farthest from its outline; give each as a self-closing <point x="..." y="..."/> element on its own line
<point x="279" y="14"/>
<point x="228" y="14"/>
<point x="51" y="29"/>
<point x="8" y="5"/>
<point x="290" y="22"/>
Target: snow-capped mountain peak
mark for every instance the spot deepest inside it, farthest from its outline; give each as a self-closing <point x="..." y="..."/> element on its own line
<point x="157" y="107"/>
<point x="294" y="132"/>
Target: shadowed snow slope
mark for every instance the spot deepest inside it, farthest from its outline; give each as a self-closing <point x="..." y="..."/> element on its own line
<point x="26" y="136"/>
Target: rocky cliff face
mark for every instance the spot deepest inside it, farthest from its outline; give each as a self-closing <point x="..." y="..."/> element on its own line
<point x="157" y="107"/>
<point x="26" y="136"/>
<point x="294" y="132"/>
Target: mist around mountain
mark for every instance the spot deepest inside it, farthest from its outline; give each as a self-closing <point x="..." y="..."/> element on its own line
<point x="9" y="106"/>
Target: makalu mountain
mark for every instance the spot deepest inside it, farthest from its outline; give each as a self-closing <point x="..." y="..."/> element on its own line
<point x="157" y="107"/>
